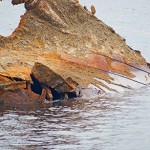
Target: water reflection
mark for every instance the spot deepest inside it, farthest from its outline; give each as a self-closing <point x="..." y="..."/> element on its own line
<point x="108" y="123"/>
<point x="117" y="122"/>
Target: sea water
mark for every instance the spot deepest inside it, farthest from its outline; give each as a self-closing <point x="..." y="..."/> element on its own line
<point x="117" y="122"/>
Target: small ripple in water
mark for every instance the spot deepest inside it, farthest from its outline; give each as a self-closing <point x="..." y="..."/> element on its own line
<point x="119" y="122"/>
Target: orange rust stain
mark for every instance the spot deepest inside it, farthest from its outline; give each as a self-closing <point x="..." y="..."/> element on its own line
<point x="119" y="66"/>
<point x="122" y="69"/>
<point x="4" y="79"/>
<point x="20" y="71"/>
<point x="73" y="59"/>
<point x="51" y="55"/>
<point x="97" y="61"/>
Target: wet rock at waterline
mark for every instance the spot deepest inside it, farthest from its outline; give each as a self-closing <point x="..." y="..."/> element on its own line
<point x="45" y="84"/>
<point x="74" y="44"/>
<point x="46" y="76"/>
<point x="59" y="88"/>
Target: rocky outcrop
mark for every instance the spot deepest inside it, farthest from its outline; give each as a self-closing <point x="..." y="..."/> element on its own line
<point x="74" y="45"/>
<point x="56" y="87"/>
<point x="46" y="76"/>
<point x="45" y="85"/>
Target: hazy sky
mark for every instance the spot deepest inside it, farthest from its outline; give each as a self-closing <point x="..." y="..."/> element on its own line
<point x="9" y="16"/>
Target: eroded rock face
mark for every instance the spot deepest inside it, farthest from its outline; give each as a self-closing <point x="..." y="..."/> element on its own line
<point x="48" y="77"/>
<point x="46" y="85"/>
<point x="72" y="43"/>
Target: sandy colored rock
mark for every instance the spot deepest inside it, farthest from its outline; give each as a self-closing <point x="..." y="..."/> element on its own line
<point x="97" y="61"/>
<point x="121" y="69"/>
<point x="65" y="38"/>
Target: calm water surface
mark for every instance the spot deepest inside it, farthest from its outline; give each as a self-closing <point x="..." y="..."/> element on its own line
<point x="119" y="122"/>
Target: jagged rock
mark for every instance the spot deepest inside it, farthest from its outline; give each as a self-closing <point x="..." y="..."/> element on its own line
<point x="97" y="61"/>
<point x="21" y="98"/>
<point x="48" y="77"/>
<point x="71" y="42"/>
